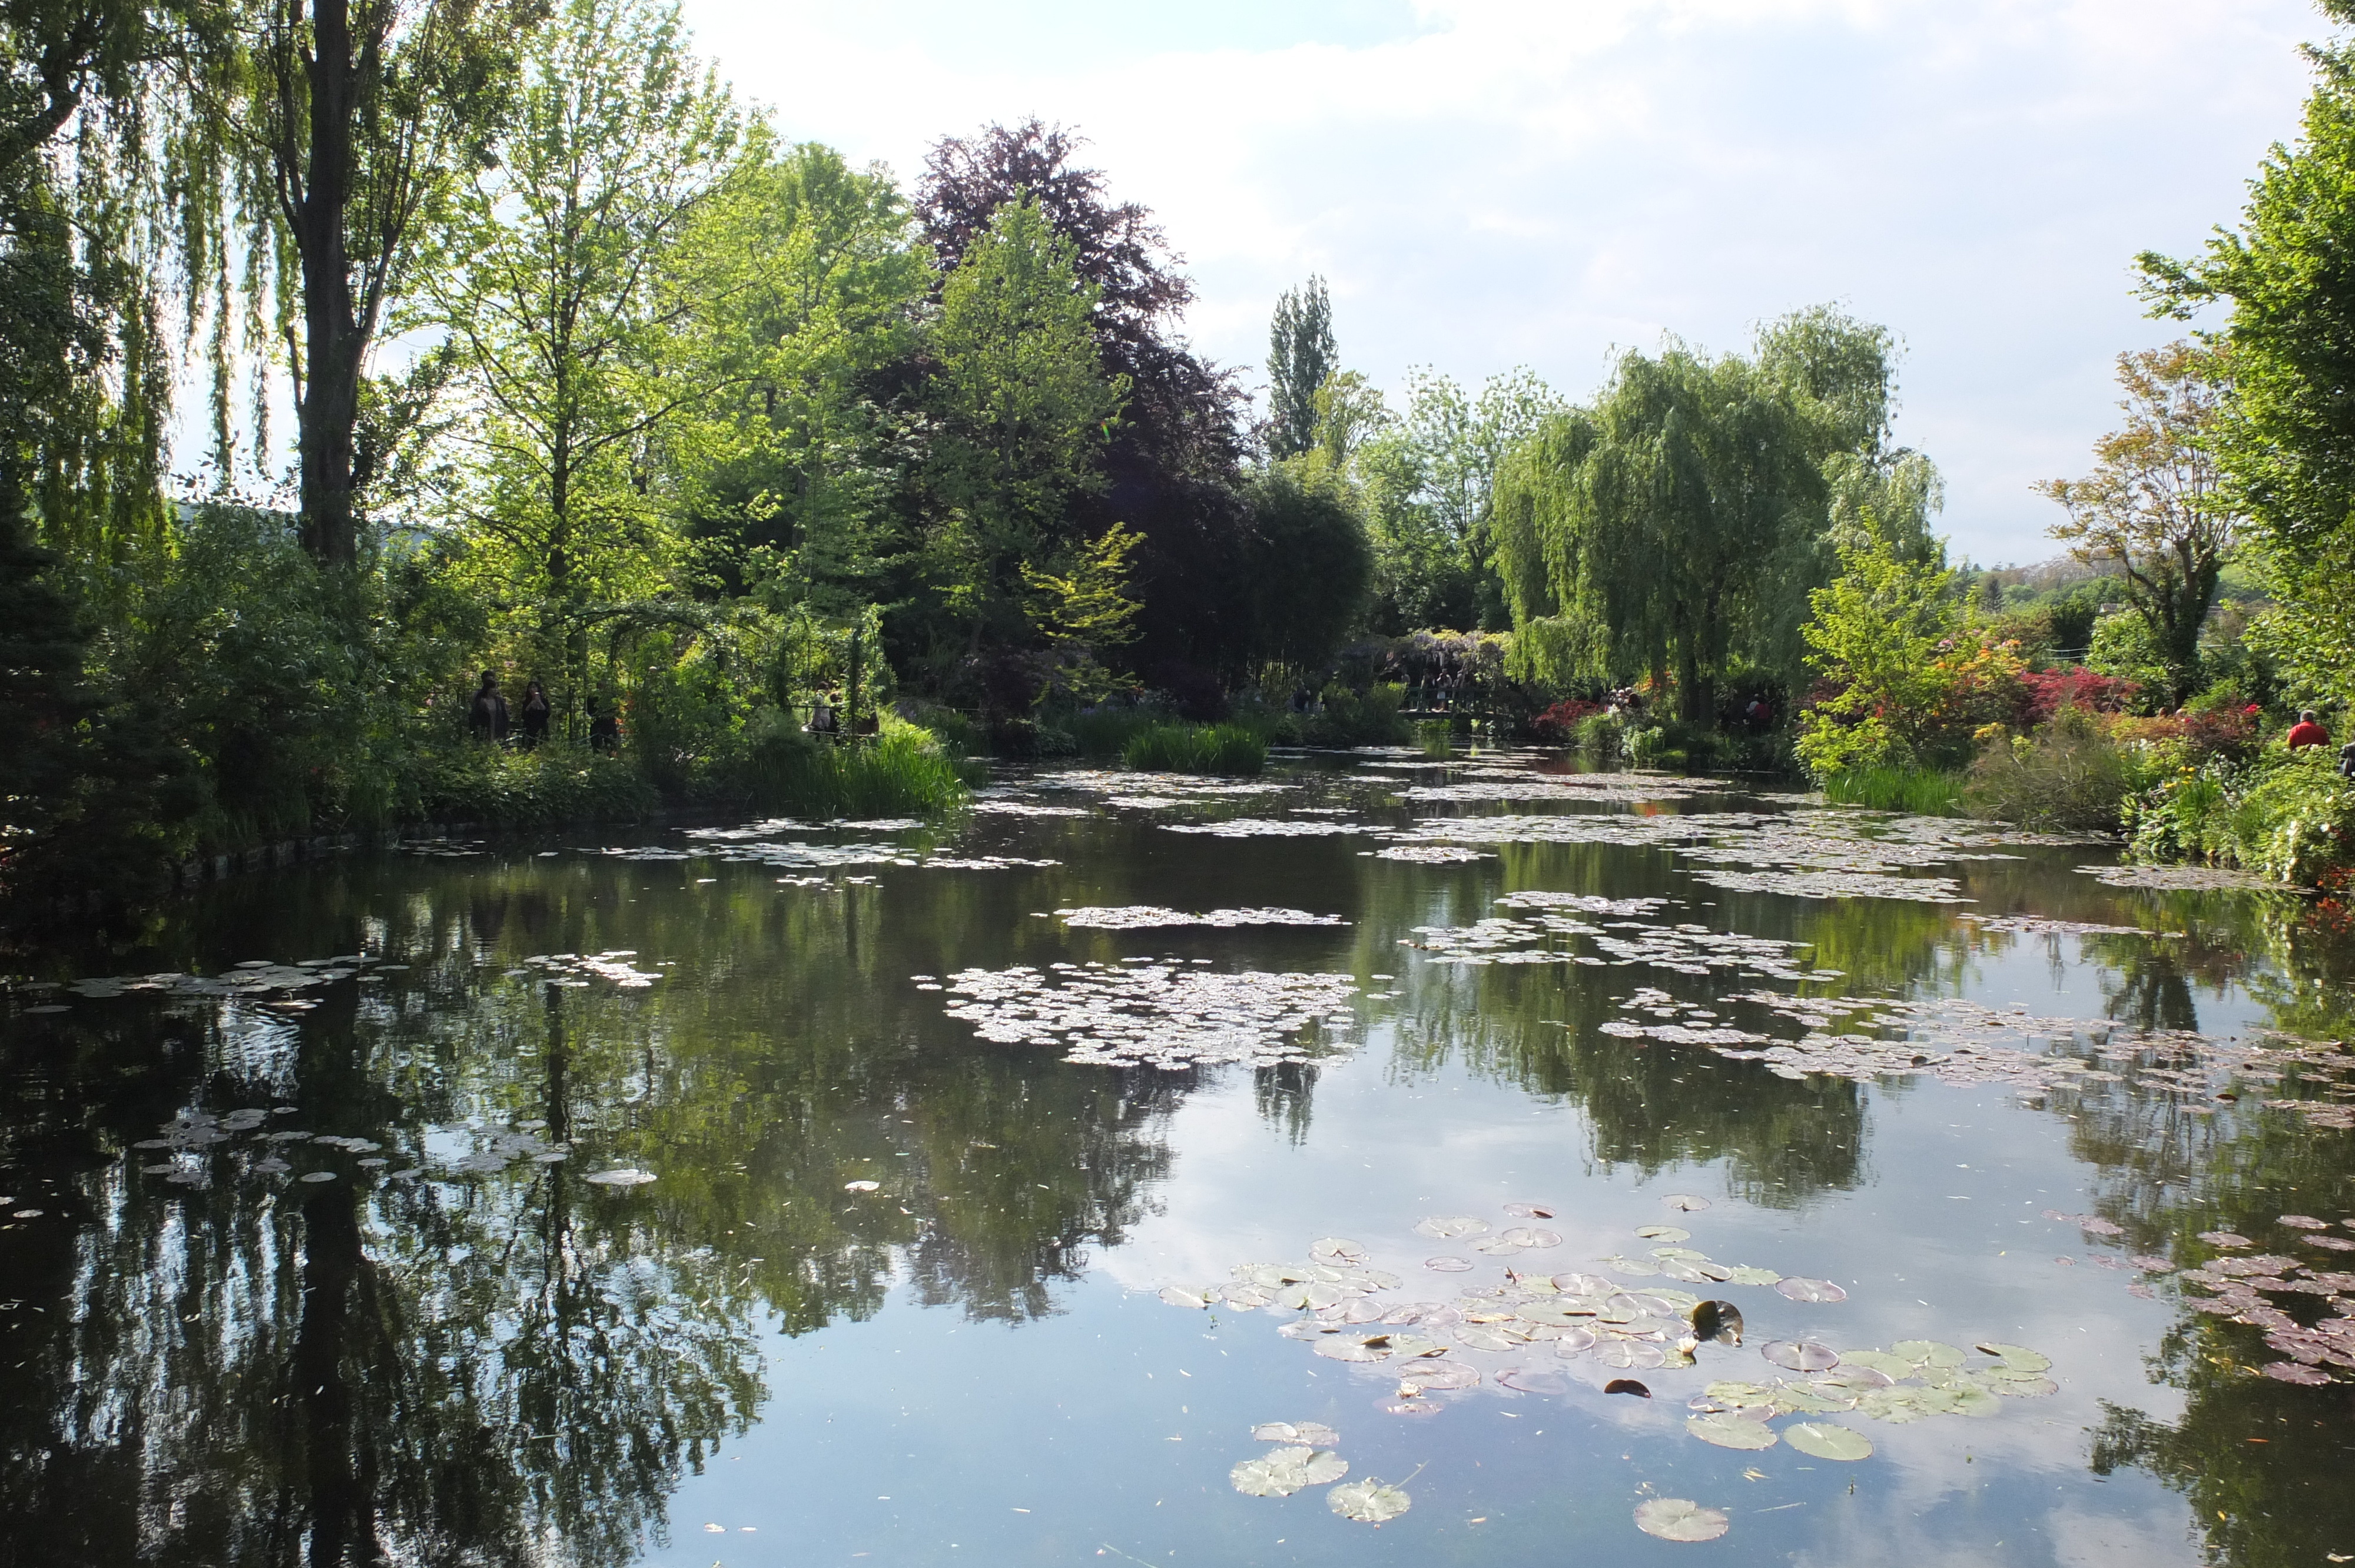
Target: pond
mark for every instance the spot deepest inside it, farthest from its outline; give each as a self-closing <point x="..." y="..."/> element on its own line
<point x="1382" y="1161"/>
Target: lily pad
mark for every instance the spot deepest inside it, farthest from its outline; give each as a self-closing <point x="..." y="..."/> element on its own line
<point x="2019" y="1358"/>
<point x="1528" y="1212"/>
<point x="1180" y="1298"/>
<point x="1684" y="1201"/>
<point x="1928" y="1353"/>
<point x="1744" y="1275"/>
<point x="1348" y="1348"/>
<point x="1437" y="1377"/>
<point x="1630" y="1354"/>
<point x="1897" y="1368"/>
<point x="1680" y="1519"/>
<point x="1315" y="1433"/>
<point x="1664" y="1233"/>
<point x="1533" y="1380"/>
<point x="1799" y="1288"/>
<point x="1448" y="1265"/>
<point x="1731" y="1432"/>
<point x="1281" y="1472"/>
<point x="1800" y="1355"/>
<point x="1368" y="1501"/>
<point x="1480" y="1337"/>
<point x="2292" y="1371"/>
<point x="1822" y="1440"/>
<point x="1447" y="1227"/>
<point x="1334" y="1249"/>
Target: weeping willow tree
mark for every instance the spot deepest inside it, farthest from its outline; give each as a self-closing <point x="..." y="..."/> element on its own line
<point x="1674" y="526"/>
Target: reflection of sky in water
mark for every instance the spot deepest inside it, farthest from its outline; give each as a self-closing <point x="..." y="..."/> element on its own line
<point x="1051" y="1406"/>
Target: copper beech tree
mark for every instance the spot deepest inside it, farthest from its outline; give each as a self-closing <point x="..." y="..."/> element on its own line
<point x="2154" y="505"/>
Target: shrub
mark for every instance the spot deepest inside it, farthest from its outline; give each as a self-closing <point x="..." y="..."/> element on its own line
<point x="1559" y="724"/>
<point x="2294" y="823"/>
<point x="1197" y="748"/>
<point x="1603" y="736"/>
<point x="1436" y="737"/>
<point x="1924" y="791"/>
<point x="2046" y="692"/>
<point x="1106" y="732"/>
<point x="1349" y="718"/>
<point x="902" y="773"/>
<point x="2068" y="774"/>
<point x="555" y="784"/>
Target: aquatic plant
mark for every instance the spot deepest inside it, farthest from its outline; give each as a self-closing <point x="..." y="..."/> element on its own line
<point x="899" y="773"/>
<point x="1924" y="791"/>
<point x="1195" y="748"/>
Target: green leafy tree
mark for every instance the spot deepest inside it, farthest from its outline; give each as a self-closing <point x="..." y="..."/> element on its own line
<point x="2283" y="443"/>
<point x="1679" y="521"/>
<point x="335" y="129"/>
<point x="555" y="291"/>
<point x="1310" y="564"/>
<point x="2154" y="506"/>
<point x="1025" y="409"/>
<point x="1301" y="358"/>
<point x="814" y="281"/>
<point x="1876" y="638"/>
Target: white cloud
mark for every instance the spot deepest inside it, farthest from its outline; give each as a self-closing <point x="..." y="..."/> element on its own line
<point x="1488" y="181"/>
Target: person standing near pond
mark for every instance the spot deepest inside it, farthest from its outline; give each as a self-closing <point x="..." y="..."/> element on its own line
<point x="604" y="729"/>
<point x="535" y="715"/>
<point x="487" y="718"/>
<point x="2306" y="732"/>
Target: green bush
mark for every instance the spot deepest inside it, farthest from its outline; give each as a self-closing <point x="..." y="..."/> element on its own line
<point x="1436" y="737"/>
<point x="1603" y="736"/>
<point x="1924" y="791"/>
<point x="2294" y="823"/>
<point x="1348" y="718"/>
<point x="2067" y="774"/>
<point x="1197" y="748"/>
<point x="1106" y="732"/>
<point x="902" y="773"/>
<point x="553" y="784"/>
<point x="1649" y="747"/>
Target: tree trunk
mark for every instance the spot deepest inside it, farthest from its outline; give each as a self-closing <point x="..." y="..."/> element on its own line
<point x="333" y="342"/>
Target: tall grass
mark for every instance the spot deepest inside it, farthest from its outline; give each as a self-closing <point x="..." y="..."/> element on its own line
<point x="898" y="775"/>
<point x="1197" y="748"/>
<point x="1436" y="737"/>
<point x="1106" y="732"/>
<point x="1923" y="791"/>
<point x="557" y="783"/>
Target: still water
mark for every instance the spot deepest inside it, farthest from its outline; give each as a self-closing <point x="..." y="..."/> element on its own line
<point x="728" y="1198"/>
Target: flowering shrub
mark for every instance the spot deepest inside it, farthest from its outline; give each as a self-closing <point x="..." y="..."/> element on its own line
<point x="2044" y="693"/>
<point x="1559" y="722"/>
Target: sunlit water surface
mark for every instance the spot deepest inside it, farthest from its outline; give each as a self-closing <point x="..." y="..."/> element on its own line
<point x="747" y="1359"/>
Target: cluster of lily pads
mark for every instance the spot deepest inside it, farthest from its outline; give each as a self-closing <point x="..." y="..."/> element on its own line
<point x="1156" y="1013"/>
<point x="183" y="1152"/>
<point x="1303" y="1457"/>
<point x="1151" y="916"/>
<point x="1428" y="854"/>
<point x="1687" y="948"/>
<point x="2236" y="1288"/>
<point x="1266" y="827"/>
<point x="799" y="855"/>
<point x="1350" y="1311"/>
<point x="581" y="968"/>
<point x="261" y="979"/>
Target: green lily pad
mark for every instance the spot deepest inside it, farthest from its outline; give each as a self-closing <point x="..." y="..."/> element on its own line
<point x="1972" y="1400"/>
<point x="1315" y="1433"/>
<point x="1928" y="1353"/>
<point x="1895" y="1406"/>
<point x="1731" y="1432"/>
<point x="1822" y="1440"/>
<point x="1480" y="1337"/>
<point x="1680" y="1519"/>
<point x="2020" y="1358"/>
<point x="2015" y="1384"/>
<point x="1177" y="1296"/>
<point x="1745" y="1274"/>
<point x="1665" y="1232"/>
<point x="1368" y="1501"/>
<point x="1880" y="1362"/>
<point x="1447" y="1227"/>
<point x="1349" y="1348"/>
<point x="1280" y="1472"/>
<point x="1334" y="1249"/>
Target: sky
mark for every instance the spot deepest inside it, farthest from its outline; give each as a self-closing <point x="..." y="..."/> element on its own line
<point x="1493" y="183"/>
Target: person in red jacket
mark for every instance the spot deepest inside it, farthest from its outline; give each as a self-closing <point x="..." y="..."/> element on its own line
<point x="2306" y="732"/>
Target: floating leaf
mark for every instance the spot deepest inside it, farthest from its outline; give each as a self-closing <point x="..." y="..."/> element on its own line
<point x="615" y="1178"/>
<point x="1895" y="1368"/>
<point x="1179" y="1297"/>
<point x="1680" y="1519"/>
<point x="2019" y="1358"/>
<point x="1629" y="1355"/>
<point x="2292" y="1371"/>
<point x="1533" y="1381"/>
<point x="1333" y="1249"/>
<point x="1479" y="1336"/>
<point x="2304" y="1223"/>
<point x="1281" y="1472"/>
<point x="1528" y="1212"/>
<point x="1731" y="1432"/>
<point x="1822" y="1440"/>
<point x="1802" y="1289"/>
<point x="2225" y="1239"/>
<point x="316" y="1176"/>
<point x="1747" y="1275"/>
<point x="1348" y="1348"/>
<point x="1368" y="1501"/>
<point x="1437" y="1377"/>
<point x="1928" y="1353"/>
<point x="1571" y="1343"/>
<point x="1447" y="1227"/>
<point x="1315" y="1433"/>
<point x="1686" y="1201"/>
<point x="1664" y="1233"/>
<point x="1800" y="1355"/>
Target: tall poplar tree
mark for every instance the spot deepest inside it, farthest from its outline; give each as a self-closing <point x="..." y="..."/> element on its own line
<point x="1300" y="357"/>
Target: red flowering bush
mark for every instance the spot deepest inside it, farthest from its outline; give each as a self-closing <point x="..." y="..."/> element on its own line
<point x="2044" y="693"/>
<point x="1559" y="722"/>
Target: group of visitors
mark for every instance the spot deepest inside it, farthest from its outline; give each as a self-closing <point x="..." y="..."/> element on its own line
<point x="488" y="719"/>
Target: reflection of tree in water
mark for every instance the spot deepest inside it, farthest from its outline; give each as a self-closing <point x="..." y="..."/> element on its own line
<point x="333" y="1375"/>
<point x="518" y="1367"/>
<point x="1285" y="1097"/>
